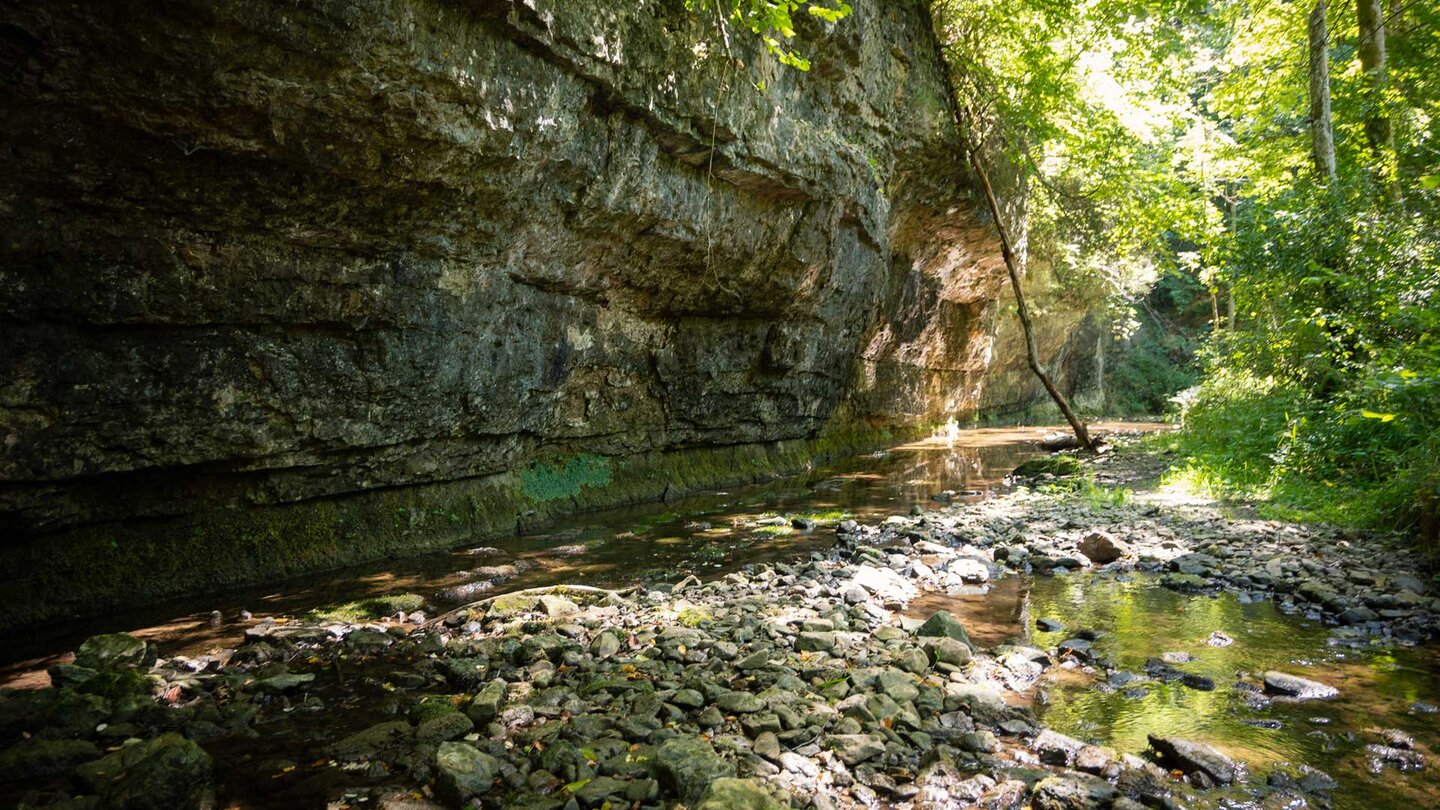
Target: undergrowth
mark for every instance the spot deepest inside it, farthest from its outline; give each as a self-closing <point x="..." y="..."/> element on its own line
<point x="1366" y="459"/>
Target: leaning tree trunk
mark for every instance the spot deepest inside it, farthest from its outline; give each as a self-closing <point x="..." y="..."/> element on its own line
<point x="1322" y="132"/>
<point x="1031" y="354"/>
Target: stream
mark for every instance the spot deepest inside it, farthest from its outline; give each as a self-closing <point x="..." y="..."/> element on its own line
<point x="1133" y="618"/>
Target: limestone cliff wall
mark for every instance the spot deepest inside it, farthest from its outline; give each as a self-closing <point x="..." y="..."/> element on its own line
<point x="286" y="285"/>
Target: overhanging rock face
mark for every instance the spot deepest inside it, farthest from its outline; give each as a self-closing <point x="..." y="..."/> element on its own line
<point x="287" y="285"/>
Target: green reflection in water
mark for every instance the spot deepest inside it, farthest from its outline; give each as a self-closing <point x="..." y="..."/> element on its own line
<point x="1141" y="621"/>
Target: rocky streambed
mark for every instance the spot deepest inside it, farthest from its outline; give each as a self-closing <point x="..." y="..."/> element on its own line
<point x="878" y="671"/>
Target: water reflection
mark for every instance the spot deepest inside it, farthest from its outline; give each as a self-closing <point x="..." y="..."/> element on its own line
<point x="705" y="533"/>
<point x="1139" y="621"/>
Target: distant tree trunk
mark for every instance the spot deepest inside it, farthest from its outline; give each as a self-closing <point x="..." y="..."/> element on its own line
<point x="1031" y="353"/>
<point x="1322" y="133"/>
<point x="1373" y="61"/>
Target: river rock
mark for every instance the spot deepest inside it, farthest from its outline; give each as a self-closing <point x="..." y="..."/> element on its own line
<point x="1102" y="548"/>
<point x="606" y="644"/>
<point x="1404" y="759"/>
<point x="1096" y="760"/>
<point x="728" y="793"/>
<point x="886" y="584"/>
<point x="596" y="791"/>
<point x="1297" y="687"/>
<point x="739" y="703"/>
<point x="943" y="624"/>
<point x="37" y="758"/>
<point x="687" y="765"/>
<point x="914" y="660"/>
<point x="168" y="771"/>
<point x="557" y="606"/>
<point x="945" y="650"/>
<point x="444" y="726"/>
<point x="853" y="749"/>
<point x="1073" y="791"/>
<point x="112" y="651"/>
<point x="1192" y="757"/>
<point x="982" y="702"/>
<point x="1055" y="748"/>
<point x="462" y="772"/>
<point x="369" y="742"/>
<point x="898" y="685"/>
<point x="485" y="706"/>
<point x="815" y="642"/>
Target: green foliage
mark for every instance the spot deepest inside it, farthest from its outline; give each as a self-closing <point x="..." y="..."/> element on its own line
<point x="774" y="21"/>
<point x="1321" y="394"/>
<point x="1149" y="367"/>
<point x="549" y="482"/>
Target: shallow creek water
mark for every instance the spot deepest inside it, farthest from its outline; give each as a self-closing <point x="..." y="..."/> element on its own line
<point x="1139" y="620"/>
<point x="713" y="532"/>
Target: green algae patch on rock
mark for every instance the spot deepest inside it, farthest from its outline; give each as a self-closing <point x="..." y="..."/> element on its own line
<point x="375" y="607"/>
<point x="545" y="481"/>
<point x="1057" y="465"/>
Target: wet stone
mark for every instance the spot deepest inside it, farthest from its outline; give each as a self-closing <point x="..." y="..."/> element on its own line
<point x="949" y="651"/>
<point x="372" y="740"/>
<point x="605" y="645"/>
<point x="1401" y="758"/>
<point x="485" y="706"/>
<point x="897" y="685"/>
<point x="1102" y="548"/>
<point x="688" y="699"/>
<point x="1192" y="757"/>
<point x="1297" y="687"/>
